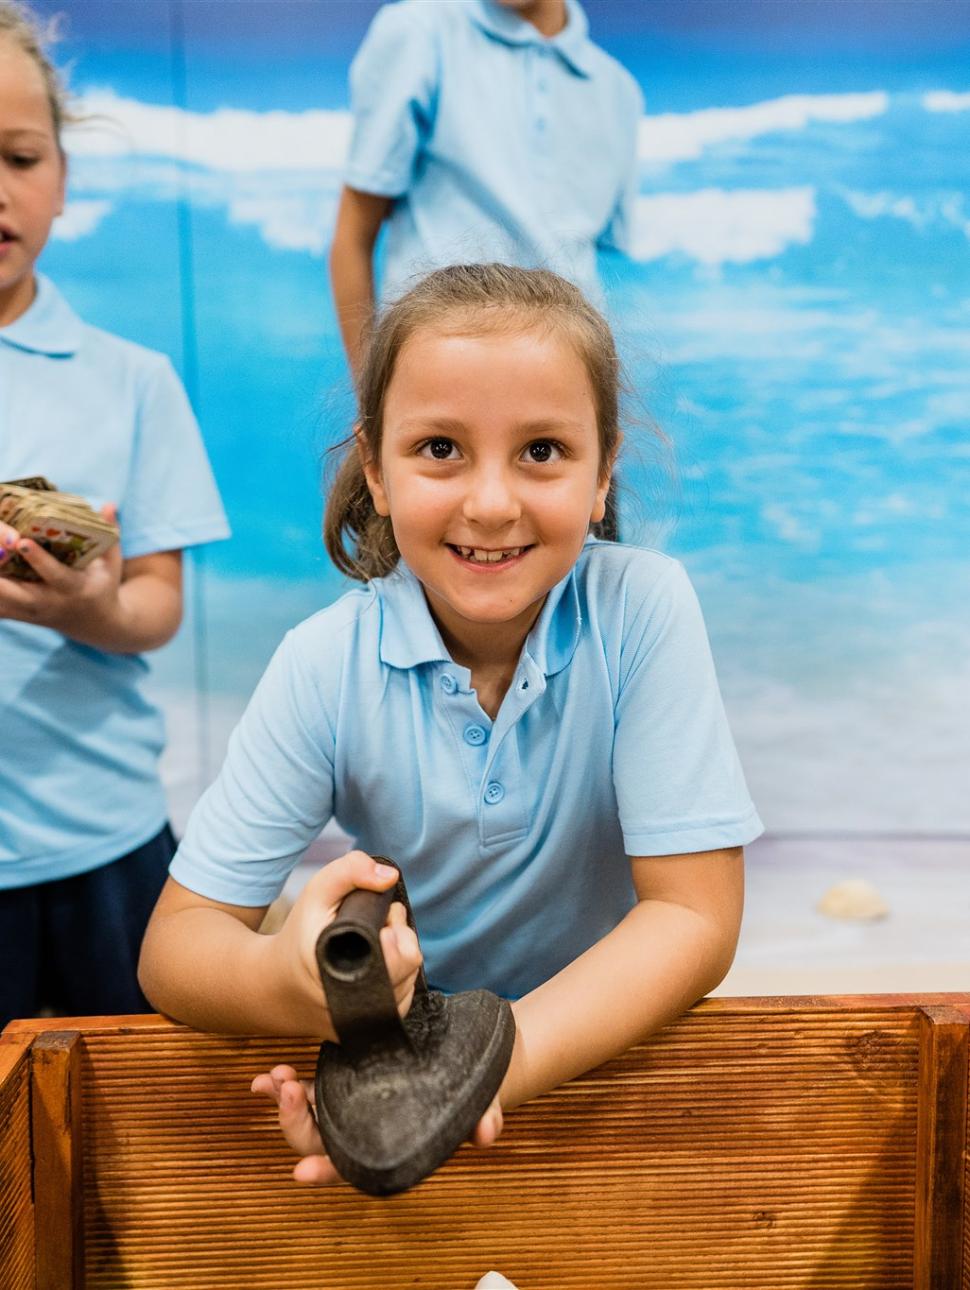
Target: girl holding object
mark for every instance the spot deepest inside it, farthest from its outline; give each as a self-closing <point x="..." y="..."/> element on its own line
<point x="525" y="718"/>
<point x="84" y="839"/>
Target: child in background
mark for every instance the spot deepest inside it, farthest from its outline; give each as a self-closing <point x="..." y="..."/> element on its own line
<point x="526" y="719"/>
<point x="84" y="842"/>
<point x="483" y="130"/>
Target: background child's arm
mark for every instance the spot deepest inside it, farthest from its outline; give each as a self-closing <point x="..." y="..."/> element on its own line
<point x="674" y="947"/>
<point x="123" y="606"/>
<point x="203" y="962"/>
<point x="359" y="219"/>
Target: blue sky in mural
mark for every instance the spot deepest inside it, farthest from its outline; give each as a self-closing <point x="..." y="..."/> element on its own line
<point x="795" y="317"/>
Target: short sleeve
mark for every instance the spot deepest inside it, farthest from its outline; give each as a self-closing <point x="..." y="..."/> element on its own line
<point x="272" y="796"/>
<point x="171" y="500"/>
<point x="678" y="781"/>
<point x="393" y="84"/>
<point x="619" y="233"/>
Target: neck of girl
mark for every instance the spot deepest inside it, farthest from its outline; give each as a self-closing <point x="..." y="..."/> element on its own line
<point x="547" y="16"/>
<point x="490" y="656"/>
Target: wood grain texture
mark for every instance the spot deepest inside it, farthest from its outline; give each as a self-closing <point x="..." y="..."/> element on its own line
<point x="941" y="1147"/>
<point x="56" y="1144"/>
<point x="763" y="1150"/>
<point x="16" y="1201"/>
<point x="763" y="1144"/>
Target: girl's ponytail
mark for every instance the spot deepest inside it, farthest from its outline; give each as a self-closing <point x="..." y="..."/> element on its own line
<point x="351" y="515"/>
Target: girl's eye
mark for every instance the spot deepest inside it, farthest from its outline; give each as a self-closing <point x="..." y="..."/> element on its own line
<point x="542" y="451"/>
<point x="22" y="161"/>
<point x="439" y="449"/>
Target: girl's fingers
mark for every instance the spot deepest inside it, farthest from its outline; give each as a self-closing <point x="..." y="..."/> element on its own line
<point x="340" y="877"/>
<point x="402" y="955"/>
<point x="50" y="570"/>
<point x="489" y="1126"/>
<point x="272" y="1081"/>
<point x="297" y="1122"/>
<point x="316" y="1170"/>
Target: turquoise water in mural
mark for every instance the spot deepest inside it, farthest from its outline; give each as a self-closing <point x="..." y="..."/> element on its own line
<point x="796" y="319"/>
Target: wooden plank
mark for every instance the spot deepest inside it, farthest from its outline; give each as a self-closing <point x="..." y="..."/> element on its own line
<point x="56" y="1120"/>
<point x="940" y="1147"/>
<point x="16" y="1197"/>
<point x="769" y="1151"/>
<point x="722" y="1005"/>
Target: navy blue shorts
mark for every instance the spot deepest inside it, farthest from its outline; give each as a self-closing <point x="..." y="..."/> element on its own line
<point x="72" y="945"/>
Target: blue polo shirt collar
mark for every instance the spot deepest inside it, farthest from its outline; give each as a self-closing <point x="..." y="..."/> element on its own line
<point x="50" y="326"/>
<point x="571" y="43"/>
<point x="409" y="636"/>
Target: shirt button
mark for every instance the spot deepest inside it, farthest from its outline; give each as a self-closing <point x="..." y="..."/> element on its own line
<point x="474" y="735"/>
<point x="494" y="792"/>
<point x="448" y="683"/>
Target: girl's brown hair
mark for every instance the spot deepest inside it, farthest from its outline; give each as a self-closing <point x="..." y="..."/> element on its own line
<point x="19" y="23"/>
<point x="466" y="299"/>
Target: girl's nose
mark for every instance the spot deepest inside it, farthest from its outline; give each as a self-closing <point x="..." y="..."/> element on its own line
<point x="491" y="499"/>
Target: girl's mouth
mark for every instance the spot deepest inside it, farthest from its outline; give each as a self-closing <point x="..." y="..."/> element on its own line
<point x="484" y="555"/>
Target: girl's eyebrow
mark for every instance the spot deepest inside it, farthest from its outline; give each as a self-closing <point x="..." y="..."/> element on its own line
<point x="19" y="131"/>
<point x="431" y="425"/>
<point x="450" y="426"/>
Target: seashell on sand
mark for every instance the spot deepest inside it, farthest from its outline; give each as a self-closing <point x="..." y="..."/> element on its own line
<point x="855" y="899"/>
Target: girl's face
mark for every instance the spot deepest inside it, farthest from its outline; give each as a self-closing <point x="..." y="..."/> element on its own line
<point x="490" y="472"/>
<point x="32" y="177"/>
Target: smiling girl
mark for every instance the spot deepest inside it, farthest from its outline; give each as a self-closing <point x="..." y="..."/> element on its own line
<point x="527" y="719"/>
<point x="84" y="839"/>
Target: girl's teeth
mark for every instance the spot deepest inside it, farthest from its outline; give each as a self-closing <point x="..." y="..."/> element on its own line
<point x="488" y="557"/>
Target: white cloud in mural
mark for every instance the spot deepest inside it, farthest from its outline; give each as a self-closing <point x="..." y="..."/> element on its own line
<point x="229" y="139"/>
<point x="920" y="212"/>
<point x="946" y="101"/>
<point x="288" y="222"/>
<point x="717" y="226"/>
<point x="672" y="136"/>
<point x="789" y="527"/>
<point x="80" y="219"/>
<point x="237" y="139"/>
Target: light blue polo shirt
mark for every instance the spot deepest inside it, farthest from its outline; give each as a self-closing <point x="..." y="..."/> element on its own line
<point x="79" y="741"/>
<point x="496" y="142"/>
<point x="513" y="835"/>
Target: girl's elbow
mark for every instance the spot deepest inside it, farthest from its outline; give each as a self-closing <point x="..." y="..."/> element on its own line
<point x="722" y="957"/>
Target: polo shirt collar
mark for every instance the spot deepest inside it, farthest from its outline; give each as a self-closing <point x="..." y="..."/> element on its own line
<point x="50" y="326"/>
<point x="409" y="636"/>
<point x="571" y="43"/>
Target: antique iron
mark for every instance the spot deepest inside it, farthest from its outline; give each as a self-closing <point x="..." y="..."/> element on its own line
<point x="396" y="1097"/>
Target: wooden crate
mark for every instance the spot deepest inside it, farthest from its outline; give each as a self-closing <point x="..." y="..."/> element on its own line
<point x="757" y="1144"/>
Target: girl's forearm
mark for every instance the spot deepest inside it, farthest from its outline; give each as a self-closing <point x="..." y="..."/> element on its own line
<point x="659" y="961"/>
<point x="205" y="968"/>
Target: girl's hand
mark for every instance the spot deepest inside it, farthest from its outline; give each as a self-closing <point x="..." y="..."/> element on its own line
<point x="294" y="1098"/>
<point x="70" y="601"/>
<point x="294" y="948"/>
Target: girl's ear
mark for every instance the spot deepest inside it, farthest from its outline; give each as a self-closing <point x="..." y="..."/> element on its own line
<point x="599" y="505"/>
<point x="603" y="487"/>
<point x="372" y="474"/>
<point x="62" y="190"/>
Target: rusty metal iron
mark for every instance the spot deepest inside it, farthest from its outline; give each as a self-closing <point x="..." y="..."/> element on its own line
<point x="396" y="1097"/>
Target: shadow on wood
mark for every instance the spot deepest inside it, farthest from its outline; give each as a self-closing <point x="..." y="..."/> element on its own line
<point x="757" y="1144"/>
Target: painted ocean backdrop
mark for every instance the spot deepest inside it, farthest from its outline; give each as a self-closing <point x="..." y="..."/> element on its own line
<point x="796" y="318"/>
